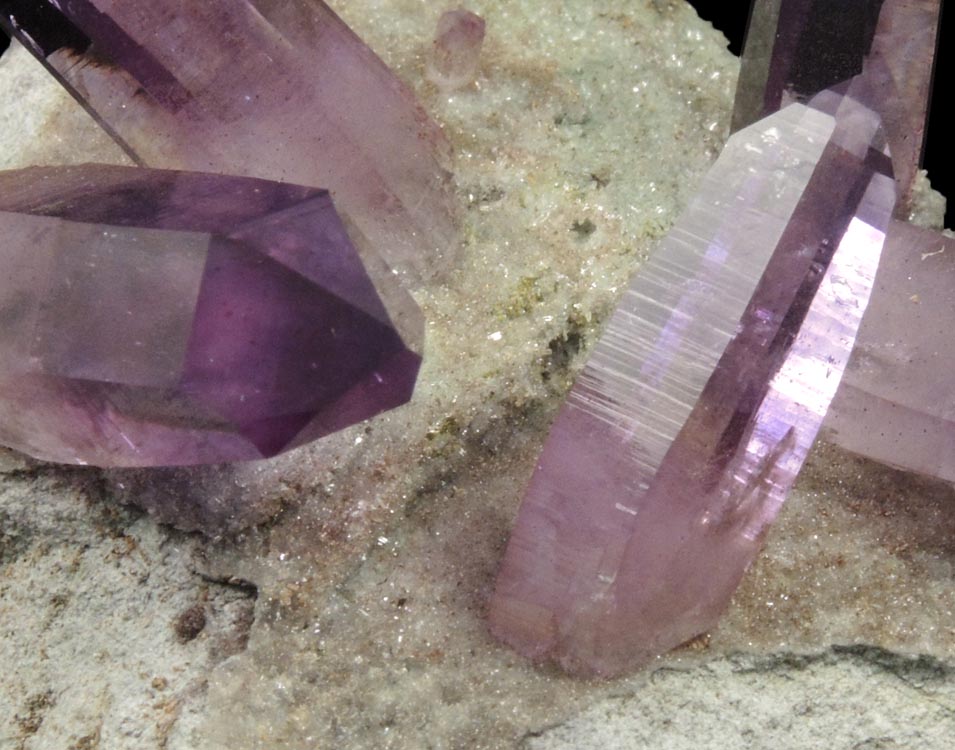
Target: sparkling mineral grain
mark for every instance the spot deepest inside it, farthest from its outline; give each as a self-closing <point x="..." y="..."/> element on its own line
<point x="157" y="317"/>
<point x="276" y="90"/>
<point x="456" y="54"/>
<point x="690" y="421"/>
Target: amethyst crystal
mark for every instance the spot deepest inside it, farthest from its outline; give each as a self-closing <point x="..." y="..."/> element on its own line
<point x="457" y="49"/>
<point x="796" y="48"/>
<point x="277" y="90"/>
<point x="157" y="317"/>
<point x="690" y="421"/>
<point x="897" y="399"/>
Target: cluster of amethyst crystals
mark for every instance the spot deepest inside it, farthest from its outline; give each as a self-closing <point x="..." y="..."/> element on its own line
<point x="155" y="316"/>
<point x="690" y="421"/>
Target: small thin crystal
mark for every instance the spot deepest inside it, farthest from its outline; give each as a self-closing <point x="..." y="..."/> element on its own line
<point x="456" y="54"/>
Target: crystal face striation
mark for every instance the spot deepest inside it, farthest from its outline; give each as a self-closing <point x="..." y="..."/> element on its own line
<point x="155" y="317"/>
<point x="690" y="421"/>
<point x="275" y="89"/>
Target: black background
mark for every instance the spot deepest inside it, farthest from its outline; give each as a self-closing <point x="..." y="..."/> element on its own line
<point x="730" y="17"/>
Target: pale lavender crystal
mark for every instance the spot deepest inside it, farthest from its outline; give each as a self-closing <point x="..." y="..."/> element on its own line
<point x="275" y="89"/>
<point x="902" y="62"/>
<point x="456" y="53"/>
<point x="155" y="317"/>
<point x="797" y="48"/>
<point x="693" y="415"/>
<point x="896" y="403"/>
<point x="897" y="399"/>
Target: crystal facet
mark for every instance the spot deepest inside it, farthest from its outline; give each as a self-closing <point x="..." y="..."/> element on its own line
<point x="156" y="317"/>
<point x="276" y="90"/>
<point x="691" y="419"/>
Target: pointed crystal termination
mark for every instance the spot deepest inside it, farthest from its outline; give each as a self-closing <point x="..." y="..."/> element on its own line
<point x="282" y="91"/>
<point x="692" y="417"/>
<point x="158" y="318"/>
<point x="896" y="403"/>
<point x="797" y="48"/>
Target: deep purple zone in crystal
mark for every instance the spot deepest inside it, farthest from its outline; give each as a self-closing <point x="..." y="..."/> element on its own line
<point x="179" y="318"/>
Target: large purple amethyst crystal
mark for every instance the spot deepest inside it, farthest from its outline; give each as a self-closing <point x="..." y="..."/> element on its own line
<point x="689" y="423"/>
<point x="275" y="90"/>
<point x="156" y="317"/>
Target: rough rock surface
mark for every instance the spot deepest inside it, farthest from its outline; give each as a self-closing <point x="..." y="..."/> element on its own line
<point x="373" y="553"/>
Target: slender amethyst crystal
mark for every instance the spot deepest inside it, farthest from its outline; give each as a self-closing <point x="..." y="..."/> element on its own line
<point x="274" y="89"/>
<point x="797" y="48"/>
<point x="157" y="317"/>
<point x="690" y="421"/>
